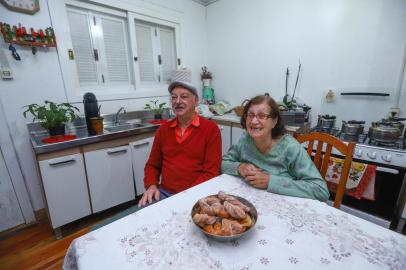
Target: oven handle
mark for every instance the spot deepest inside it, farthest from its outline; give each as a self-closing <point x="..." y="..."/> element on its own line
<point x="387" y="170"/>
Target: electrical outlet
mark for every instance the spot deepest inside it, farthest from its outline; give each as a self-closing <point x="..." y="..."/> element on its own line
<point x="6" y="73"/>
<point x="394" y="112"/>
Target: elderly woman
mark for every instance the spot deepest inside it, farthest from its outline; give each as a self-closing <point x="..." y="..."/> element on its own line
<point x="267" y="158"/>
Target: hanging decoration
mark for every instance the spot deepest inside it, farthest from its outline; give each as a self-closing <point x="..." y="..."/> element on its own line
<point x="33" y="38"/>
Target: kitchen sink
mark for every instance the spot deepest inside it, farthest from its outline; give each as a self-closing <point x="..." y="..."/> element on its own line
<point x="122" y="127"/>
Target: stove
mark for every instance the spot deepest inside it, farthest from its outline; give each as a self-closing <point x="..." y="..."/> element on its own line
<point x="390" y="183"/>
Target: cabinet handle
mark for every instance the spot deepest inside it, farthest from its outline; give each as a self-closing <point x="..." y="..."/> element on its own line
<point x="62" y="162"/>
<point x="117" y="152"/>
<point x="141" y="144"/>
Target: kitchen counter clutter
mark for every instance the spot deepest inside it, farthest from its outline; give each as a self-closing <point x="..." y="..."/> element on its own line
<point x="37" y="134"/>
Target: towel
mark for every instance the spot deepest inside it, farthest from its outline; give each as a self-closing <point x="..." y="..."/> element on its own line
<point x="360" y="182"/>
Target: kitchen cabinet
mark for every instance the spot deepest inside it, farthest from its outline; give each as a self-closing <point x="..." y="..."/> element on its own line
<point x="225" y="132"/>
<point x="140" y="151"/>
<point x="65" y="186"/>
<point x="110" y="177"/>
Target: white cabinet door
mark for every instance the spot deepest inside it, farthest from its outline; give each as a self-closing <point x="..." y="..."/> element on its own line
<point x="65" y="187"/>
<point x="109" y="174"/>
<point x="236" y="134"/>
<point x="225" y="138"/>
<point x="140" y="151"/>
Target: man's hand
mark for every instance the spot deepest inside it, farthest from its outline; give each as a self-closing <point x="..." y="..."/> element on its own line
<point x="151" y="193"/>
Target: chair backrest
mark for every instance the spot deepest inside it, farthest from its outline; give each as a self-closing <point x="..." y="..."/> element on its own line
<point x="322" y="157"/>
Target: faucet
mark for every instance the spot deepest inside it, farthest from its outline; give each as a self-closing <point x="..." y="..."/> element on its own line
<point x="116" y="121"/>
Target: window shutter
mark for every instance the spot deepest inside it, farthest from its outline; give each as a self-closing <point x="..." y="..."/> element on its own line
<point x="82" y="47"/>
<point x="145" y="52"/>
<point x="168" y="54"/>
<point x="115" y="50"/>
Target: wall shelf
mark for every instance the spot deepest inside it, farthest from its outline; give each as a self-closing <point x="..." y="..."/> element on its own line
<point x="18" y="35"/>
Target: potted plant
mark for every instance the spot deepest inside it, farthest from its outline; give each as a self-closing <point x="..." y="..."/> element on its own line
<point x="52" y="116"/>
<point x="157" y="107"/>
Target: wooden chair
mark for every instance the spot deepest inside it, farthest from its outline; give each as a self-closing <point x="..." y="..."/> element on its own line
<point x="322" y="157"/>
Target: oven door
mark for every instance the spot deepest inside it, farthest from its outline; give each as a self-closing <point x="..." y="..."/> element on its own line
<point x="385" y="208"/>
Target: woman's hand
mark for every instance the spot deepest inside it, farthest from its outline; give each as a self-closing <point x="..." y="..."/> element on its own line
<point x="245" y="169"/>
<point x="149" y="194"/>
<point x="253" y="175"/>
<point x="258" y="179"/>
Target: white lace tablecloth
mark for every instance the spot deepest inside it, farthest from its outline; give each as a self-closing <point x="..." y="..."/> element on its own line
<point x="291" y="233"/>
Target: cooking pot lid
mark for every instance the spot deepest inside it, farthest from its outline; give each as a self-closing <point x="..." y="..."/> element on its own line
<point x="327" y="117"/>
<point x="396" y="119"/>
<point x="356" y="122"/>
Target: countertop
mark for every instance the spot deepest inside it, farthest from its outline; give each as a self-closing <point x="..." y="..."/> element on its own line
<point x="83" y="138"/>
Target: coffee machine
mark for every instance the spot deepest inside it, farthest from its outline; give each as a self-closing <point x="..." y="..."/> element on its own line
<point x="91" y="110"/>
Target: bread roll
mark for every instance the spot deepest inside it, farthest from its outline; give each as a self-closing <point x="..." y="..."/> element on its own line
<point x="234" y="211"/>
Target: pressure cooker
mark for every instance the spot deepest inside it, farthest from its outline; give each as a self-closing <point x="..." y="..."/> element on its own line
<point x="384" y="133"/>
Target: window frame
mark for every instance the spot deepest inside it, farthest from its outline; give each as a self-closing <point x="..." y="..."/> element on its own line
<point x="129" y="11"/>
<point x="132" y="17"/>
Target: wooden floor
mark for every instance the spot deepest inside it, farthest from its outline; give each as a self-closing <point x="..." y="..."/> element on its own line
<point x="35" y="246"/>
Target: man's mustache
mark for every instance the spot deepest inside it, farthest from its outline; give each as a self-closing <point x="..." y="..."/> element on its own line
<point x="179" y="106"/>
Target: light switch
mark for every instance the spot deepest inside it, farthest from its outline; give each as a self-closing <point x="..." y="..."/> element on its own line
<point x="6" y="74"/>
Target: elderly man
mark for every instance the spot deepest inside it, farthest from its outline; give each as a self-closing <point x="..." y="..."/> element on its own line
<point x="186" y="149"/>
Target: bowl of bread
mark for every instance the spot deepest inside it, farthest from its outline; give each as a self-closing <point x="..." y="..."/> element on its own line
<point x="224" y="217"/>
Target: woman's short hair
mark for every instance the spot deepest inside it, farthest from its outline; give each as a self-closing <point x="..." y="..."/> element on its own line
<point x="279" y="128"/>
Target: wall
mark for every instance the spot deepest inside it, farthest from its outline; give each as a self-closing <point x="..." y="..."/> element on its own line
<point x="38" y="78"/>
<point x="344" y="45"/>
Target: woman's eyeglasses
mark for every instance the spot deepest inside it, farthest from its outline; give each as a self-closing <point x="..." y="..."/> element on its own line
<point x="260" y="116"/>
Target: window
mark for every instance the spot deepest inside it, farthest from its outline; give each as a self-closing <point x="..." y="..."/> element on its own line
<point x="115" y="50"/>
<point x="156" y="52"/>
<point x="100" y="48"/>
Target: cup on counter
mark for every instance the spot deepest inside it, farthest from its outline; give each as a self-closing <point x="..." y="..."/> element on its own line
<point x="97" y="125"/>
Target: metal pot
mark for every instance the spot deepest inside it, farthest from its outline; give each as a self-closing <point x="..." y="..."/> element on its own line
<point x="384" y="133"/>
<point x="397" y="122"/>
<point x="352" y="127"/>
<point x="326" y="121"/>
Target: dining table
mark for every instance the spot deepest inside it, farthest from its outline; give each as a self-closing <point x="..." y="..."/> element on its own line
<point x="290" y="233"/>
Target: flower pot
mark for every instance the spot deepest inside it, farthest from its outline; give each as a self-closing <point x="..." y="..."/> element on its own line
<point x="158" y="116"/>
<point x="58" y="130"/>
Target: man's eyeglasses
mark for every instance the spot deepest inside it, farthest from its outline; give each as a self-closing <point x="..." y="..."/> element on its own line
<point x="260" y="116"/>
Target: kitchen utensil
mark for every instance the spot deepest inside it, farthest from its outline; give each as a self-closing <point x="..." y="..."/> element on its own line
<point x="253" y="214"/>
<point x="239" y="110"/>
<point x="352" y="127"/>
<point x="91" y="110"/>
<point x="384" y="133"/>
<point x="326" y="121"/>
<point x="397" y="122"/>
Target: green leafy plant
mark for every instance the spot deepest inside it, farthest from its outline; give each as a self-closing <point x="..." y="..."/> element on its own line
<point x="155" y="106"/>
<point x="52" y="114"/>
